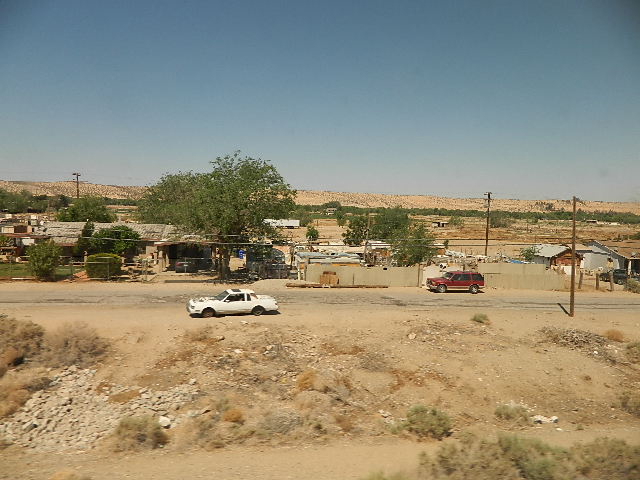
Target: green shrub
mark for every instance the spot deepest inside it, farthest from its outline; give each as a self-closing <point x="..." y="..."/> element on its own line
<point x="608" y="458"/>
<point x="43" y="259"/>
<point x="513" y="413"/>
<point x="427" y="422"/>
<point x="135" y="433"/>
<point x="633" y="286"/>
<point x="534" y="459"/>
<point x="103" y="265"/>
<point x="480" y="318"/>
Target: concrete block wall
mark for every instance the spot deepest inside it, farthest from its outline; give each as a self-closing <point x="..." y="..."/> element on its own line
<point x="521" y="276"/>
<point x="387" y="276"/>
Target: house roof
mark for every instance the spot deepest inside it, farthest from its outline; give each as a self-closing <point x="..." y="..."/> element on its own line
<point x="628" y="248"/>
<point x="548" y="251"/>
<point x="67" y="233"/>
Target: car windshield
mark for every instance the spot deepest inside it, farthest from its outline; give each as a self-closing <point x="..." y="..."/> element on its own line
<point x="447" y="275"/>
<point x="221" y="296"/>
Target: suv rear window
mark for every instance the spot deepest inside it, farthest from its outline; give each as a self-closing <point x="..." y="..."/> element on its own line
<point x="477" y="277"/>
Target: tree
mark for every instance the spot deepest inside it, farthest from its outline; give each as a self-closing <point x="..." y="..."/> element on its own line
<point x="388" y="222"/>
<point x="528" y="253"/>
<point x="500" y="220"/>
<point x="43" y="259"/>
<point x="229" y="203"/>
<point x="5" y="241"/>
<point x="85" y="209"/>
<point x="84" y="241"/>
<point x="341" y="218"/>
<point x="412" y="245"/>
<point x="117" y="240"/>
<point x="312" y="233"/>
<point x="356" y="231"/>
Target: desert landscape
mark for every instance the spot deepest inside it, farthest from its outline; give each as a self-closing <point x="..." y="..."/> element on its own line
<point x="324" y="387"/>
<point x="364" y="200"/>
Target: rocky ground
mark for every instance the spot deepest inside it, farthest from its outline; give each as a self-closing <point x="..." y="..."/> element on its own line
<point x="335" y="372"/>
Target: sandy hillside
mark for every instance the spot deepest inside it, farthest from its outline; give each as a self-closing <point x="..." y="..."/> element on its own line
<point x="314" y="197"/>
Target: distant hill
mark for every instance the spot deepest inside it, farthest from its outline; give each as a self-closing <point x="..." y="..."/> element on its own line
<point x="316" y="197"/>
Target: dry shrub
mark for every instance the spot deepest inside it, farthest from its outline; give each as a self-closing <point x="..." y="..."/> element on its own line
<point x="19" y="339"/>
<point x="68" y="475"/>
<point x="516" y="458"/>
<point x="202" y="432"/>
<point x="374" y="362"/>
<point x="345" y="422"/>
<point x="614" y="335"/>
<point x="630" y="402"/>
<point x="512" y="413"/>
<point x="15" y="391"/>
<point x="280" y="422"/>
<point x="137" y="433"/>
<point x="481" y="318"/>
<point x="633" y="352"/>
<point x="633" y="286"/>
<point x="427" y="422"/>
<point x="233" y="415"/>
<point x="306" y="380"/>
<point x="124" y="397"/>
<point x="74" y="344"/>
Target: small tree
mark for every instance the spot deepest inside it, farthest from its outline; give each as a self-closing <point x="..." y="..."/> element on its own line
<point x="312" y="233"/>
<point x="528" y="253"/>
<point x="356" y="231"/>
<point x="85" y="209"/>
<point x="84" y="241"/>
<point x="412" y="245"/>
<point x="118" y="240"/>
<point x="43" y="259"/>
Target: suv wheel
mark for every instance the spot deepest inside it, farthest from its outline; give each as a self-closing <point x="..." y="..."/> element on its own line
<point x="442" y="288"/>
<point x="474" y="289"/>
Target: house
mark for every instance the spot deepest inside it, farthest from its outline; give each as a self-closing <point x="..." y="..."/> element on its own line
<point x="614" y="255"/>
<point x="162" y="243"/>
<point x="548" y="255"/>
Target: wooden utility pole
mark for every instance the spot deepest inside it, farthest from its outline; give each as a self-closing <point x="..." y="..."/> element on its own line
<point x="486" y="241"/>
<point x="366" y="240"/>
<point x="77" y="184"/>
<point x="572" y="297"/>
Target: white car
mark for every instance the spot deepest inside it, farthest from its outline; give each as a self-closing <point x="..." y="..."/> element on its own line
<point x="232" y="301"/>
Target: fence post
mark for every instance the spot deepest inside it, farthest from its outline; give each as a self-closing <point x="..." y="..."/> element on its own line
<point x="108" y="273"/>
<point x="580" y="280"/>
<point x="611" y="280"/>
<point x="597" y="281"/>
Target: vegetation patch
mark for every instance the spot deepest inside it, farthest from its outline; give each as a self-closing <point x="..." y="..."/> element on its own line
<point x="103" y="266"/>
<point x="633" y="286"/>
<point x="427" y="422"/>
<point x="19" y="340"/>
<point x="614" y="335"/>
<point x="633" y="352"/>
<point x="138" y="433"/>
<point x="630" y="402"/>
<point x="74" y="344"/>
<point x="517" y="458"/>
<point x="481" y="318"/>
<point x="512" y="413"/>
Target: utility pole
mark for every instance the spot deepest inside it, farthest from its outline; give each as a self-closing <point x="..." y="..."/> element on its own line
<point x="486" y="241"/>
<point x="572" y="297"/>
<point x="366" y="240"/>
<point x="77" y="184"/>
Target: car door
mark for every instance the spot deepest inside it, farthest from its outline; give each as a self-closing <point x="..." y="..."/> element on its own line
<point x="233" y="303"/>
<point x="457" y="281"/>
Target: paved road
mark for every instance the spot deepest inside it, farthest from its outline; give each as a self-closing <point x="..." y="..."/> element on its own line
<point x="413" y="298"/>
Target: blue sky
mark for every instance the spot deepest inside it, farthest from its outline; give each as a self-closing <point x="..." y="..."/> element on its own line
<point x="528" y="99"/>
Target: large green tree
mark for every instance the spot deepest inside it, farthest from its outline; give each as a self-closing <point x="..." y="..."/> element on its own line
<point x="387" y="223"/>
<point x="356" y="230"/>
<point x="117" y="240"/>
<point x="87" y="209"/>
<point x="412" y="245"/>
<point x="228" y="204"/>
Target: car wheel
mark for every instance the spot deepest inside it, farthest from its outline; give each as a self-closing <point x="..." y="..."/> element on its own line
<point x="257" y="311"/>
<point x="619" y="281"/>
<point x="474" y="289"/>
<point x="208" y="313"/>
<point x="441" y="288"/>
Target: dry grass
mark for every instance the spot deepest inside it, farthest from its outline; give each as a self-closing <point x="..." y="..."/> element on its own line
<point x="233" y="415"/>
<point x="481" y="318"/>
<point x="200" y="334"/>
<point x="512" y="413"/>
<point x="17" y="388"/>
<point x="633" y="286"/>
<point x="614" y="335"/>
<point x="345" y="422"/>
<point x="138" y="433"/>
<point x="19" y="339"/>
<point x="633" y="352"/>
<point x="630" y="402"/>
<point x="306" y="380"/>
<point x="74" y="344"/>
<point x="280" y="422"/>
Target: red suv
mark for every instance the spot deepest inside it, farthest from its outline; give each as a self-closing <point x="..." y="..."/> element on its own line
<point x="470" y="281"/>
